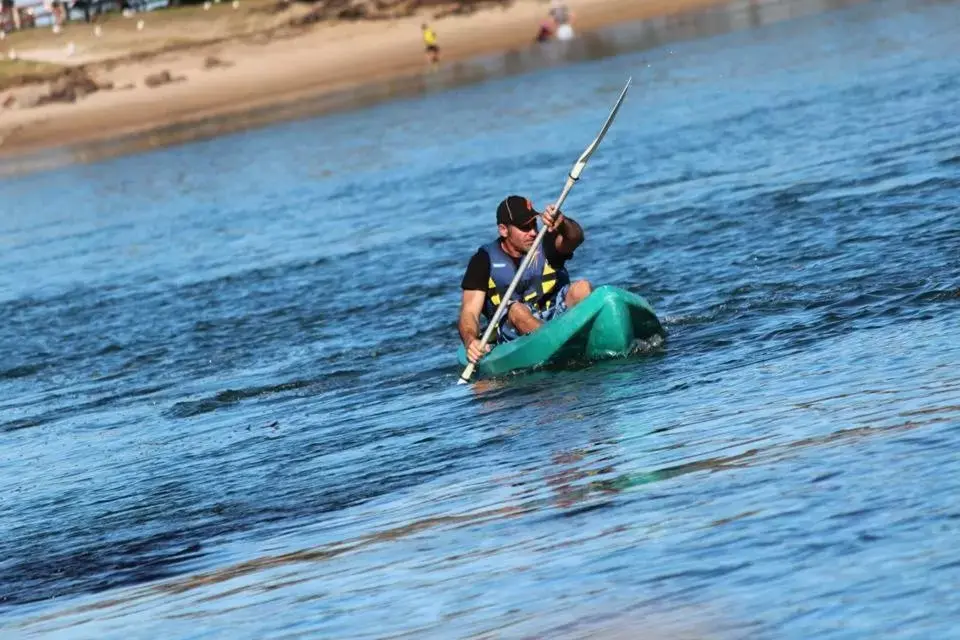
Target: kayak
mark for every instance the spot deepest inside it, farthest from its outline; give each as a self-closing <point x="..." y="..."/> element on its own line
<point x="608" y="323"/>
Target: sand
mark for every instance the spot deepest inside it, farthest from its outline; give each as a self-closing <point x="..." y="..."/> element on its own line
<point x="272" y="68"/>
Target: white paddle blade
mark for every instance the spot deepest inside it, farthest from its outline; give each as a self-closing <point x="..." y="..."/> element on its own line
<point x="466" y="375"/>
<point x="610" y="118"/>
<point x="585" y="156"/>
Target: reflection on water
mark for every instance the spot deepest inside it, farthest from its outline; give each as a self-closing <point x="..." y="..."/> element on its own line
<point x="578" y="481"/>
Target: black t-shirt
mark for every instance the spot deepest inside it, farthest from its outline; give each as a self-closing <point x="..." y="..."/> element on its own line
<point x="477" y="276"/>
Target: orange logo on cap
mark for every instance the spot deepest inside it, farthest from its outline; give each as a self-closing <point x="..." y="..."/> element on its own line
<point x="529" y="205"/>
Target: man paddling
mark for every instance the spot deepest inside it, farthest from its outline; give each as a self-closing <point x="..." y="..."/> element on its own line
<point x="544" y="291"/>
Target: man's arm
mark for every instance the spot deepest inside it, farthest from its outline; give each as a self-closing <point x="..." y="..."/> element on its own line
<point x="569" y="236"/>
<point x="471" y="306"/>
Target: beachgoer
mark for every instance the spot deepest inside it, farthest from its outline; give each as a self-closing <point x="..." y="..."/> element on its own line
<point x="58" y="12"/>
<point x="544" y="291"/>
<point x="9" y="7"/>
<point x="562" y="18"/>
<point x="559" y="12"/>
<point x="430" y="44"/>
<point x="545" y="31"/>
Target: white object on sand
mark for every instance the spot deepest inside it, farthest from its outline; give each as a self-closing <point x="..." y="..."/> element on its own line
<point x="56" y="28"/>
<point x="12" y="54"/>
<point x="97" y="31"/>
<point x="3" y="34"/>
<point x="236" y="4"/>
<point x="71" y="48"/>
<point x="565" y="32"/>
<point x="206" y="5"/>
<point x="139" y="25"/>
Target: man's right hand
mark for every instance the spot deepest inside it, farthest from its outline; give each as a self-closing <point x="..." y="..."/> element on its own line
<point x="476" y="349"/>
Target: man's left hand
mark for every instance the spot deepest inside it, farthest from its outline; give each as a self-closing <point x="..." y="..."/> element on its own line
<point x="552" y="218"/>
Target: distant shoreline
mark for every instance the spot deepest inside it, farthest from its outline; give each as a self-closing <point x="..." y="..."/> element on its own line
<point x="330" y="67"/>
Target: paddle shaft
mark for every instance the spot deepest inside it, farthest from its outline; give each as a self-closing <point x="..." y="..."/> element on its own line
<point x="528" y="258"/>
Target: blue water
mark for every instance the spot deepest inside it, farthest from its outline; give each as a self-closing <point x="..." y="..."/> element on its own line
<point x="228" y="401"/>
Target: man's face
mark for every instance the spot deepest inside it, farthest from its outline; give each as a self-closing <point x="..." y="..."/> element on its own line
<point x="519" y="238"/>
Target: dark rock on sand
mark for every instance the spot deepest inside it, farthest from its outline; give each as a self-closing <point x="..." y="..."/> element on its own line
<point x="70" y="86"/>
<point x="161" y="78"/>
<point x="387" y="9"/>
<point x="213" y="62"/>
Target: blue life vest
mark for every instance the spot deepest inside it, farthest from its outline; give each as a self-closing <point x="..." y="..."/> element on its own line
<point x="538" y="286"/>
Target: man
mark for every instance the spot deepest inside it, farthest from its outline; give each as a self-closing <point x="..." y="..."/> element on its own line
<point x="562" y="18"/>
<point x="559" y="12"/>
<point x="546" y="31"/>
<point x="430" y="44"/>
<point x="543" y="292"/>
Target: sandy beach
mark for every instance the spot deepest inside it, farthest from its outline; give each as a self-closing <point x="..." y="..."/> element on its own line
<point x="233" y="60"/>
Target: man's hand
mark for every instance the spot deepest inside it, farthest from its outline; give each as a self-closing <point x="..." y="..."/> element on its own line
<point x="476" y="349"/>
<point x="552" y="219"/>
<point x="569" y="233"/>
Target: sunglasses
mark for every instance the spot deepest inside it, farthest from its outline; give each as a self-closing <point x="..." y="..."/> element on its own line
<point x="527" y="227"/>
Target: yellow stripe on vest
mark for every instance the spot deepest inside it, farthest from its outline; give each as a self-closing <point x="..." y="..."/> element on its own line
<point x="492" y="290"/>
<point x="547" y="284"/>
<point x="549" y="281"/>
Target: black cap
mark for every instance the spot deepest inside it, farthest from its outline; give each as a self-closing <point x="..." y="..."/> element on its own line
<point x="516" y="210"/>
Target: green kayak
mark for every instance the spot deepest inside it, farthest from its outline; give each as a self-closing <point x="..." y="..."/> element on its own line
<point x="607" y="324"/>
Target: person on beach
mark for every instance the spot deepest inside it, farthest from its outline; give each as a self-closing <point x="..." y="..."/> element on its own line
<point x="543" y="293"/>
<point x="431" y="47"/>
<point x="562" y="19"/>
<point x="546" y="30"/>
<point x="58" y="10"/>
<point x="9" y="14"/>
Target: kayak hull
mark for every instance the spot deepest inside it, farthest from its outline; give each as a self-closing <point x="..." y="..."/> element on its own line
<point x="607" y="324"/>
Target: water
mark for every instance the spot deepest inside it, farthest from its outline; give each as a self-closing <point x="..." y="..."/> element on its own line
<point x="228" y="397"/>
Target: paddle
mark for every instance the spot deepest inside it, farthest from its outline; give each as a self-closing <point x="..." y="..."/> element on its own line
<point x="571" y="180"/>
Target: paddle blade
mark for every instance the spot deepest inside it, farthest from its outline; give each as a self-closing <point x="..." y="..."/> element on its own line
<point x="616" y="108"/>
<point x="585" y="156"/>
